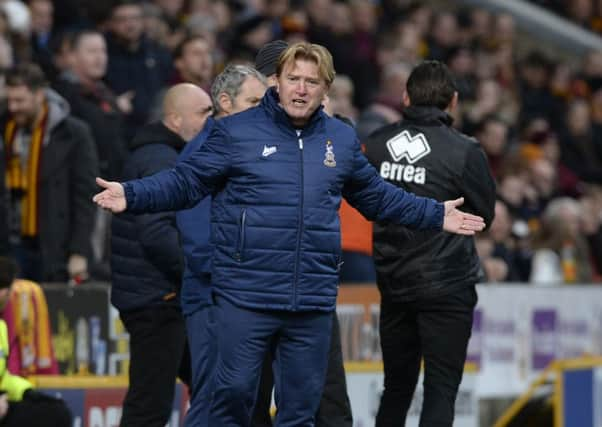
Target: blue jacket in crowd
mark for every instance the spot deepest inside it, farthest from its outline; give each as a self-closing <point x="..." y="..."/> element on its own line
<point x="195" y="227"/>
<point x="146" y="259"/>
<point x="274" y="218"/>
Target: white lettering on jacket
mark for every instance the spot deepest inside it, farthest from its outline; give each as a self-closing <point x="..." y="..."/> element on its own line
<point x="405" y="173"/>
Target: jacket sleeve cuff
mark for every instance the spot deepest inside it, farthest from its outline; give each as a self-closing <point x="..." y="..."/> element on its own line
<point x="130" y="196"/>
<point x="438" y="214"/>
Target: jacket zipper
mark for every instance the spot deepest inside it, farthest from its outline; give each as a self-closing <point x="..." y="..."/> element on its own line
<point x="299" y="228"/>
<point x="241" y="236"/>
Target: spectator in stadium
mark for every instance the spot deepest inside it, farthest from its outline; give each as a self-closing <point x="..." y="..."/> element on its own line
<point x="340" y="98"/>
<point x="146" y="264"/>
<point x="276" y="233"/>
<point x="444" y="35"/>
<point x="561" y="254"/>
<point x="235" y="89"/>
<point x="49" y="157"/>
<point x="29" y="331"/>
<point x="581" y="143"/>
<point x="386" y="108"/>
<point x="491" y="100"/>
<point x="540" y="143"/>
<point x="508" y="236"/>
<point x="193" y="63"/>
<point x="41" y="12"/>
<point x="591" y="227"/>
<point x="363" y="63"/>
<point x="535" y="72"/>
<point x="250" y="35"/>
<point x="20" y="404"/>
<point x="426" y="313"/>
<point x="92" y="101"/>
<point x="492" y="134"/>
<point x="132" y="54"/>
<point x="155" y="24"/>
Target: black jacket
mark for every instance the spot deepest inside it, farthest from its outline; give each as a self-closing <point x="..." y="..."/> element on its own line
<point x="145" y="71"/>
<point x="425" y="155"/>
<point x="68" y="167"/>
<point x="96" y="105"/>
<point x="146" y="257"/>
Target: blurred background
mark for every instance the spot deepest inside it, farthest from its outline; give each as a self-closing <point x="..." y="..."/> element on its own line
<point x="529" y="75"/>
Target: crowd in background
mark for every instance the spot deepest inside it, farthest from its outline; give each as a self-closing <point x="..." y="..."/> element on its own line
<point x="585" y="13"/>
<point x="538" y="119"/>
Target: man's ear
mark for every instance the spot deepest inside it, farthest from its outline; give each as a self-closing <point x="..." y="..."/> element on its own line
<point x="273" y="81"/>
<point x="327" y="105"/>
<point x="225" y="102"/>
<point x="453" y="103"/>
<point x="405" y="99"/>
<point x="173" y="121"/>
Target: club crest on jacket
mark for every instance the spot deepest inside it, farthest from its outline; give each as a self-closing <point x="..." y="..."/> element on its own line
<point x="329" y="155"/>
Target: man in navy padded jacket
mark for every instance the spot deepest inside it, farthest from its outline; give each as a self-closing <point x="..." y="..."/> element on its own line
<point x="278" y="172"/>
<point x="235" y="89"/>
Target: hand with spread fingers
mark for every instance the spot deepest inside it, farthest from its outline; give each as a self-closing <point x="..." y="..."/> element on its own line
<point x="113" y="196"/>
<point x="456" y="221"/>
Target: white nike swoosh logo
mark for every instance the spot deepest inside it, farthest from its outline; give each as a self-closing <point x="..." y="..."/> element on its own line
<point x="268" y="151"/>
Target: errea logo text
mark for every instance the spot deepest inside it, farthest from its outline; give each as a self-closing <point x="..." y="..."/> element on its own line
<point x="405" y="173"/>
<point x="413" y="148"/>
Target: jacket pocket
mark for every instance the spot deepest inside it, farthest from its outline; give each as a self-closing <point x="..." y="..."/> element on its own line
<point x="240" y="246"/>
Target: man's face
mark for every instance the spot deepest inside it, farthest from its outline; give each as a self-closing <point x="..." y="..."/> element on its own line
<point x="127" y="23"/>
<point x="195" y="115"/>
<point x="90" y="57"/>
<point x="251" y="92"/>
<point x="41" y="16"/>
<point x="196" y="64"/>
<point x="23" y="103"/>
<point x="301" y="90"/>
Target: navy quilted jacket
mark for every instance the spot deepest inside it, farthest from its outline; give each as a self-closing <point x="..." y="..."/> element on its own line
<point x="146" y="257"/>
<point x="274" y="219"/>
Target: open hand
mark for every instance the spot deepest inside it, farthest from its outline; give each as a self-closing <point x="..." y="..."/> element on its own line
<point x="113" y="196"/>
<point x="77" y="267"/>
<point x="456" y="221"/>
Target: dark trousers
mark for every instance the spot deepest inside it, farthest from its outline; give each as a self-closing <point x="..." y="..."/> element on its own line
<point x="42" y="412"/>
<point x="158" y="354"/>
<point x="436" y="330"/>
<point x="200" y="327"/>
<point x="334" y="410"/>
<point x="28" y="256"/>
<point x="300" y="341"/>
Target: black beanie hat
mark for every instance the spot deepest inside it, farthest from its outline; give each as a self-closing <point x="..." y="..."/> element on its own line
<point x="266" y="60"/>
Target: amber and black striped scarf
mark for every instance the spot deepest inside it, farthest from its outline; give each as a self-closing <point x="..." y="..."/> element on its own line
<point x="23" y="176"/>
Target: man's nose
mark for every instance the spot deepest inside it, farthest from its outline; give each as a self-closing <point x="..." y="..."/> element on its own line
<point x="301" y="87"/>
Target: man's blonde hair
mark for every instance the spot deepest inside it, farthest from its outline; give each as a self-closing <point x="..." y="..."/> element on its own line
<point x="308" y="52"/>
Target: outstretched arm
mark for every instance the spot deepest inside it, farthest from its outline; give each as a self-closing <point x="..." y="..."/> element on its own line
<point x="178" y="188"/>
<point x="376" y="199"/>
